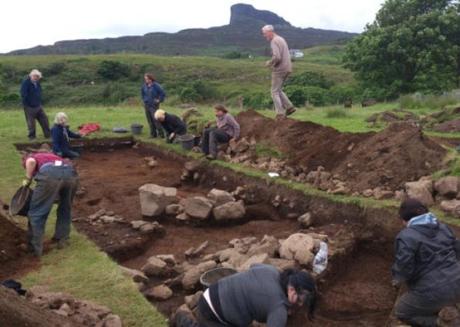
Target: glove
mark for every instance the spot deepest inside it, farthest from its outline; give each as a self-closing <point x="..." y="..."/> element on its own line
<point x="26" y="182"/>
<point x="172" y="136"/>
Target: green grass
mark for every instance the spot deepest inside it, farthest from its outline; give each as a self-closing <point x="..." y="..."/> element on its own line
<point x="82" y="269"/>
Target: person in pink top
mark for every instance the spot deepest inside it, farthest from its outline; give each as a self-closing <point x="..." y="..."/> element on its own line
<point x="55" y="178"/>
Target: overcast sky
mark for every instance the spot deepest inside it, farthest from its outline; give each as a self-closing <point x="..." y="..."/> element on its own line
<point x="27" y="23"/>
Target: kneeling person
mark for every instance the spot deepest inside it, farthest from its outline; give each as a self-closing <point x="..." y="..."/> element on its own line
<point x="262" y="294"/>
<point x="56" y="179"/>
<point x="227" y="129"/>
<point x="172" y="124"/>
<point x="426" y="260"/>
<point x="61" y="135"/>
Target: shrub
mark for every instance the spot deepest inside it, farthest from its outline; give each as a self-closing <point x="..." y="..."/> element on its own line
<point x="419" y="100"/>
<point x="114" y="93"/>
<point x="189" y="94"/>
<point x="233" y="55"/>
<point x="317" y="96"/>
<point x="257" y="100"/>
<point x="296" y="94"/>
<point x="113" y="70"/>
<point x="310" y="79"/>
<point x="204" y="90"/>
<point x="53" y="69"/>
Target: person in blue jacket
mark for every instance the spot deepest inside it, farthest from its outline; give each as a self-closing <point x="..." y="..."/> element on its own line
<point x="152" y="95"/>
<point x="31" y="95"/>
<point x="61" y="135"/>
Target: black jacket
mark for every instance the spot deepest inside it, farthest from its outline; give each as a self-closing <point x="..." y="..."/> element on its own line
<point x="31" y="93"/>
<point x="173" y="124"/>
<point x="425" y="255"/>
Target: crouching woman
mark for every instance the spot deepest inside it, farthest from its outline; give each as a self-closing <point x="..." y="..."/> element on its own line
<point x="56" y="180"/>
<point x="227" y="129"/>
<point x="426" y="261"/>
<point x="61" y="135"/>
<point x="261" y="294"/>
<point x="172" y="124"/>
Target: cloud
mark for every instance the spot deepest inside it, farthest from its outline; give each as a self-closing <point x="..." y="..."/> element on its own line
<point x="29" y="23"/>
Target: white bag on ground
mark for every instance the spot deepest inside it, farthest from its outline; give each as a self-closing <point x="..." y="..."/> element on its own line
<point x="320" y="260"/>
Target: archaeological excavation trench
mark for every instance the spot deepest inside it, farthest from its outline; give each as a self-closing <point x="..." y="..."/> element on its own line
<point x="355" y="288"/>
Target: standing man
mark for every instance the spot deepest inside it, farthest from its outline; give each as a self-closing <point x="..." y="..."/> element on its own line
<point x="152" y="94"/>
<point x="426" y="261"/>
<point x="56" y="180"/>
<point x="31" y="94"/>
<point x="281" y="67"/>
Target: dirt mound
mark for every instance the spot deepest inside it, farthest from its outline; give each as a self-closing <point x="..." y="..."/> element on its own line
<point x="12" y="255"/>
<point x="391" y="116"/>
<point x="448" y="126"/>
<point x="307" y="144"/>
<point x="389" y="158"/>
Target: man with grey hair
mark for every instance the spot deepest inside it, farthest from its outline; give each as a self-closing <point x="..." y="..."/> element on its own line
<point x="31" y="94"/>
<point x="281" y="67"/>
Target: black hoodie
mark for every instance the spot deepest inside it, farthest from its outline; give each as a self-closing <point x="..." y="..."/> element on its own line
<point x="425" y="256"/>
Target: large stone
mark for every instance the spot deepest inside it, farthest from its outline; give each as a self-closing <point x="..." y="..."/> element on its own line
<point x="159" y="293"/>
<point x="193" y="274"/>
<point x="168" y="258"/>
<point x="268" y="245"/>
<point x="136" y="275"/>
<point x="281" y="264"/>
<point x="112" y="321"/>
<point x="154" y="198"/>
<point x="198" y="207"/>
<point x="255" y="259"/>
<point x="239" y="146"/>
<point x="137" y="224"/>
<point x="452" y="207"/>
<point x="299" y="247"/>
<point x="220" y="197"/>
<point x="192" y="166"/>
<point x="154" y="267"/>
<point x="174" y="209"/>
<point x="229" y="211"/>
<point x="421" y="190"/>
<point x="306" y="220"/>
<point x="447" y="186"/>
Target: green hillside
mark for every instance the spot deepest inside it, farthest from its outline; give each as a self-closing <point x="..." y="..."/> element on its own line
<point x="114" y="79"/>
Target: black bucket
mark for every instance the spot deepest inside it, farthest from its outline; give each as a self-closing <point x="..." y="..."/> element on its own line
<point x="187" y="141"/>
<point x="20" y="202"/>
<point x="212" y="276"/>
<point x="136" y="129"/>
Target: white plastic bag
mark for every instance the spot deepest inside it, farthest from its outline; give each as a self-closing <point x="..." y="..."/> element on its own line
<point x="320" y="260"/>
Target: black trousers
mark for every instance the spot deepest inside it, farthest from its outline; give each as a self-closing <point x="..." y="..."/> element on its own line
<point x="39" y="114"/>
<point x="205" y="316"/>
<point x="421" y="309"/>
<point x="155" y="126"/>
<point x="211" y="139"/>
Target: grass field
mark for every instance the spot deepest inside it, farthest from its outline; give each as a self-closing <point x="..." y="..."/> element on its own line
<point x="82" y="269"/>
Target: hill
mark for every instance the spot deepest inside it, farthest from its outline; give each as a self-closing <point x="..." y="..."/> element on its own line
<point x="242" y="34"/>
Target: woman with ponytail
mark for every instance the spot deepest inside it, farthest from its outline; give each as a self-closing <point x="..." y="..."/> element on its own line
<point x="261" y="294"/>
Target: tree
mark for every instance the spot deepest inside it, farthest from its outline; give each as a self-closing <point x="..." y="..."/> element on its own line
<point x="413" y="45"/>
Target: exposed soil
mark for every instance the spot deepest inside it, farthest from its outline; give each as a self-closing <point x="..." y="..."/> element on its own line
<point x="389" y="158"/>
<point x="111" y="180"/>
<point x="450" y="126"/>
<point x="14" y="260"/>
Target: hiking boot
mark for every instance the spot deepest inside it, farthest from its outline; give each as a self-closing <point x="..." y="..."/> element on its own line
<point x="62" y="244"/>
<point x="290" y="111"/>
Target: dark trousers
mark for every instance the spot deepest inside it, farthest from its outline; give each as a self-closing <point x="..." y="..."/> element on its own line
<point x="205" y="317"/>
<point x="53" y="182"/>
<point x="155" y="126"/>
<point x="211" y="139"/>
<point x="39" y="114"/>
<point x="421" y="308"/>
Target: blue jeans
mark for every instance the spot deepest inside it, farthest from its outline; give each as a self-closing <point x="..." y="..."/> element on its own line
<point x="53" y="183"/>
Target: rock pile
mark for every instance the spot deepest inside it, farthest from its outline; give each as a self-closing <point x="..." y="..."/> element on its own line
<point x="83" y="312"/>
<point x="103" y="216"/>
<point x="155" y="198"/>
<point x="219" y="205"/>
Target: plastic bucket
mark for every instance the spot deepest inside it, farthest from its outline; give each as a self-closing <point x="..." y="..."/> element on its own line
<point x="212" y="276"/>
<point x="21" y="201"/>
<point x="187" y="141"/>
<point x="136" y="129"/>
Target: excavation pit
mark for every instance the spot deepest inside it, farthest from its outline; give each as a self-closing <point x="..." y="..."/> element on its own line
<point x="355" y="290"/>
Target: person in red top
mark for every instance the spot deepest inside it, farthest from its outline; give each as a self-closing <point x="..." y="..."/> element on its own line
<point x="55" y="178"/>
